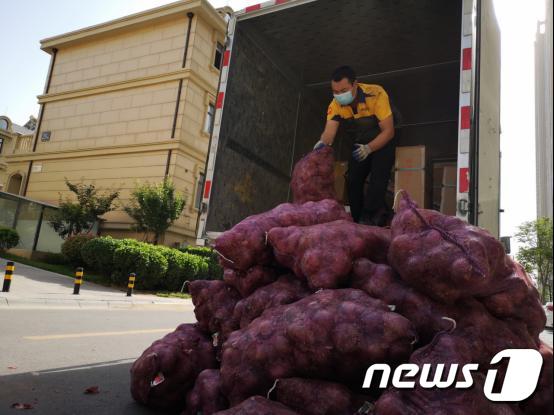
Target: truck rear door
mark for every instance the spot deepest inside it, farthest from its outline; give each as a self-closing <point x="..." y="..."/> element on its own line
<point x="479" y="122"/>
<point x="487" y="190"/>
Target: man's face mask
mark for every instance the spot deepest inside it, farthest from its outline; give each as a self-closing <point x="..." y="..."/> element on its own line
<point x="344" y="98"/>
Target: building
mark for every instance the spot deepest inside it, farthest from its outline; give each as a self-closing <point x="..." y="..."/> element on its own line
<point x="14" y="139"/>
<point x="543" y="112"/>
<point x="127" y="101"/>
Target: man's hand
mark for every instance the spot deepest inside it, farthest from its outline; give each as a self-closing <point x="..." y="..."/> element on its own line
<point x="319" y="144"/>
<point x="361" y="152"/>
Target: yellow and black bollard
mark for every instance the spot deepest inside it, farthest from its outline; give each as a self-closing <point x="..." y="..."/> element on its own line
<point x="10" y="267"/>
<point x="78" y="280"/>
<point x="131" y="284"/>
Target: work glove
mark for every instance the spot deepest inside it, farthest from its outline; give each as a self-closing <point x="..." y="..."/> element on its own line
<point x="361" y="152"/>
<point x="319" y="144"/>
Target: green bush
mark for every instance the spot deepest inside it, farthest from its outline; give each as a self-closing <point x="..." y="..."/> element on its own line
<point x="215" y="271"/>
<point x="210" y="269"/>
<point x="202" y="251"/>
<point x="98" y="253"/>
<point x="180" y="268"/>
<point x="9" y="238"/>
<point x="71" y="248"/>
<point x="54" y="259"/>
<point x="204" y="272"/>
<point x="157" y="267"/>
<point x="143" y="259"/>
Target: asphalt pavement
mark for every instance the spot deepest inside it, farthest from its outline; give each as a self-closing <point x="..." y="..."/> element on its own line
<point x="49" y="357"/>
<point x="54" y="344"/>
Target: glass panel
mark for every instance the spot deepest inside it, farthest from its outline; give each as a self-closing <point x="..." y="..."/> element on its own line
<point x="27" y="222"/>
<point x="48" y="240"/>
<point x="7" y="211"/>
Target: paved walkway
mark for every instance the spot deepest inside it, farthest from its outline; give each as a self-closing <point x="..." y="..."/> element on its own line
<point x="36" y="288"/>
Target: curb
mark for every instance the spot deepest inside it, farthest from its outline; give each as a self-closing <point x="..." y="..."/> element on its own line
<point x="44" y="303"/>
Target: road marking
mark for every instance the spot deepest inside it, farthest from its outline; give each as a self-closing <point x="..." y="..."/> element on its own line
<point x="87" y="367"/>
<point x="96" y="334"/>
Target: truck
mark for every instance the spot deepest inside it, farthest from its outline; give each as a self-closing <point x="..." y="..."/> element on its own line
<point x="438" y="60"/>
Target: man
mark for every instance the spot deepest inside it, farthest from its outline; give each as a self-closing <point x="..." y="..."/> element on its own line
<point x="366" y="113"/>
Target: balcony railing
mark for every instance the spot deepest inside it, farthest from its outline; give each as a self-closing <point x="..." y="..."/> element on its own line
<point x="23" y="145"/>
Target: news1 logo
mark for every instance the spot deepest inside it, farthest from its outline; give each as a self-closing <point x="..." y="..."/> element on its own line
<point x="520" y="381"/>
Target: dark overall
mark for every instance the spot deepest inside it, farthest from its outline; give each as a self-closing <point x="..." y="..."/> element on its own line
<point x="377" y="166"/>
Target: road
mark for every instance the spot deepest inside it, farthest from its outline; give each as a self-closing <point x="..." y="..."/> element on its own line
<point x="49" y="357"/>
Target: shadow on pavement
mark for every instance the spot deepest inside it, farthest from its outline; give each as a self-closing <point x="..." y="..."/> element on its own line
<point x="61" y="391"/>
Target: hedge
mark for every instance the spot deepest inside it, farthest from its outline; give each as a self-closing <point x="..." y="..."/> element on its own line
<point x="9" y="238"/>
<point x="214" y="271"/>
<point x="202" y="251"/>
<point x="157" y="267"/>
<point x="71" y="248"/>
<point x="182" y="267"/>
<point x="145" y="260"/>
<point x="98" y="254"/>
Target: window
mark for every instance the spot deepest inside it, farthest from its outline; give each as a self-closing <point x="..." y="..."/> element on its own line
<point x="209" y="120"/>
<point x="1" y="144"/>
<point x="199" y="190"/>
<point x="219" y="50"/>
<point x="3" y="124"/>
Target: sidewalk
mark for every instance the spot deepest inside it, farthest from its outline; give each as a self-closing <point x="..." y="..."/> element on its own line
<point x="36" y="288"/>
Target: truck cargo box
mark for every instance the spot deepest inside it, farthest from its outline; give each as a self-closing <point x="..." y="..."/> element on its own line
<point x="275" y="89"/>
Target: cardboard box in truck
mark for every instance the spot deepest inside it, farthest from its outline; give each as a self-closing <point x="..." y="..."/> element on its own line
<point x="409" y="172"/>
<point x="435" y="59"/>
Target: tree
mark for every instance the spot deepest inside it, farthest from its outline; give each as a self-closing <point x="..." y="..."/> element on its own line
<point x="535" y="255"/>
<point x="77" y="217"/>
<point x="155" y="207"/>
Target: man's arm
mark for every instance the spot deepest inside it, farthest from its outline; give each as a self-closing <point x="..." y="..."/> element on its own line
<point x="330" y="132"/>
<point x="386" y="134"/>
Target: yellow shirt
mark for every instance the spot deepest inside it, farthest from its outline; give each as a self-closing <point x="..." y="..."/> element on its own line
<point x="372" y="100"/>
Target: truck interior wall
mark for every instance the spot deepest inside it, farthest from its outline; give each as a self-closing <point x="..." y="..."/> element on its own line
<point x="278" y="89"/>
<point x="257" y="135"/>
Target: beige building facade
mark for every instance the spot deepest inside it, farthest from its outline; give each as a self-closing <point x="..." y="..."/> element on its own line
<point x="14" y="139"/>
<point x="126" y="102"/>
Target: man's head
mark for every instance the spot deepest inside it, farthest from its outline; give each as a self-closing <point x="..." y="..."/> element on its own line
<point x="344" y="85"/>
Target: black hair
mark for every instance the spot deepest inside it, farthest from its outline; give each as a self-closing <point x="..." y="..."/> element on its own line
<point x="344" y="72"/>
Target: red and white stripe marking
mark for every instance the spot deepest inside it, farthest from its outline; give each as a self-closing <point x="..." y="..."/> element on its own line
<point x="259" y="6"/>
<point x="464" y="123"/>
<point x="265" y="7"/>
<point x="220" y="101"/>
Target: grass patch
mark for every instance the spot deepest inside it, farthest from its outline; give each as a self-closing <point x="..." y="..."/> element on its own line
<point x="173" y="295"/>
<point x="62" y="269"/>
